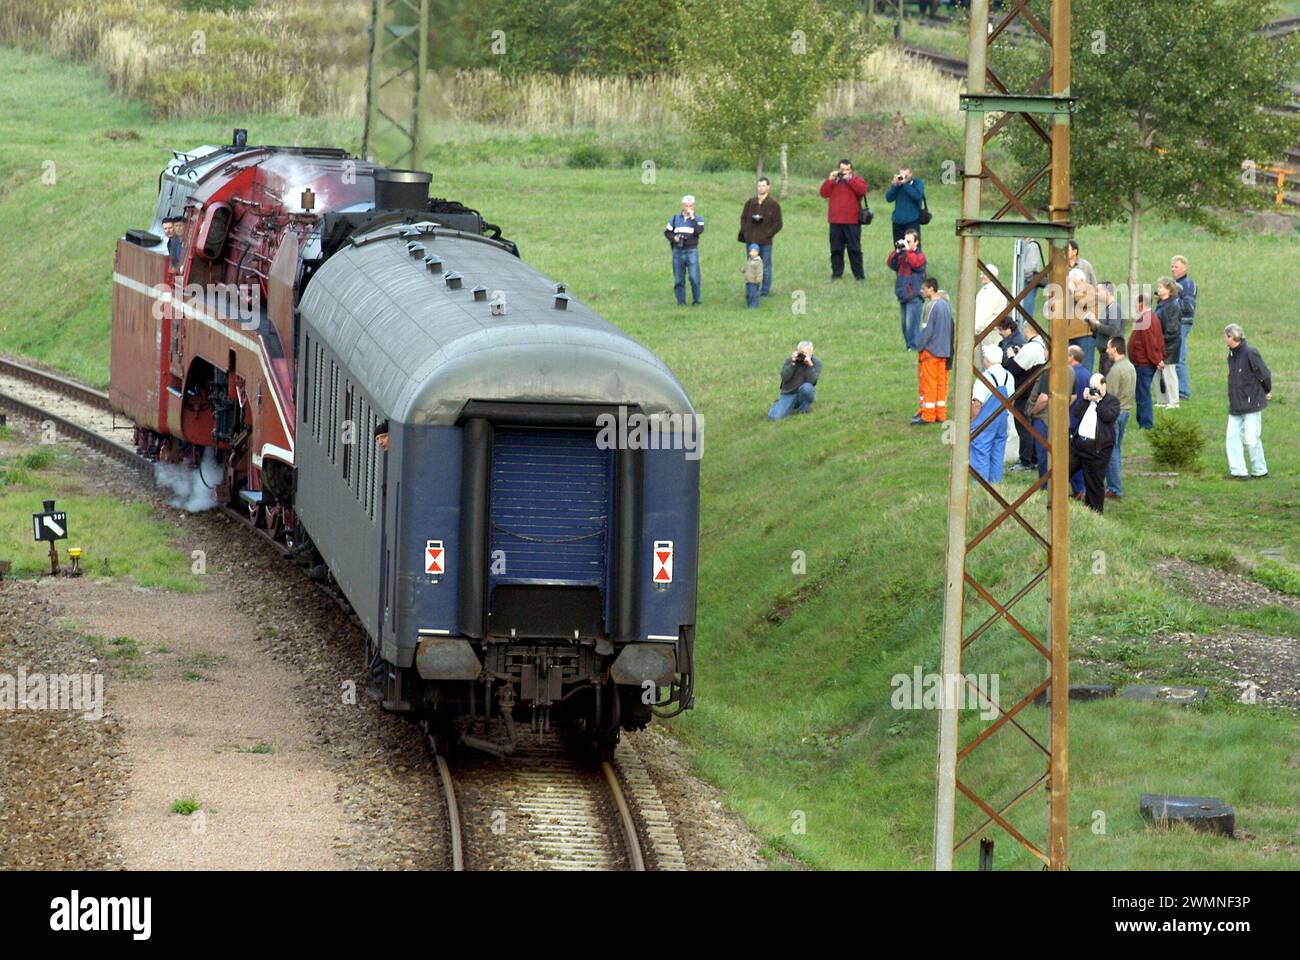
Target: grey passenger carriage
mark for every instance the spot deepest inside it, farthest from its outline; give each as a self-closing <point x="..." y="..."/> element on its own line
<point x="508" y="561"/>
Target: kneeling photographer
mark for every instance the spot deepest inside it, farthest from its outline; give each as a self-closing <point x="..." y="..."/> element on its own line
<point x="799" y="376"/>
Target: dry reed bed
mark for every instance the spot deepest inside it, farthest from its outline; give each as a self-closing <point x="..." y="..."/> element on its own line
<point x="302" y="57"/>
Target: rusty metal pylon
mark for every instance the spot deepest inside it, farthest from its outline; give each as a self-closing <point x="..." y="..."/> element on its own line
<point x="986" y="93"/>
<point x="399" y="59"/>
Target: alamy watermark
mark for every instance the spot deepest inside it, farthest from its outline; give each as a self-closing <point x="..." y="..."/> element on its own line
<point x="632" y="430"/>
<point x="938" y="691"/>
<point x="79" y="692"/>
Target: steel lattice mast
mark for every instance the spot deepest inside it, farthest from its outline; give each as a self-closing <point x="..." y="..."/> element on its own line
<point x="987" y="94"/>
<point x="399" y="57"/>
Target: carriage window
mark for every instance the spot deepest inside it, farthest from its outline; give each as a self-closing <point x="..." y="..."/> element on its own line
<point x="320" y="371"/>
<point x="334" y="411"/>
<point x="363" y="449"/>
<point x="306" y="382"/>
<point x="350" y="439"/>
<point x="375" y="459"/>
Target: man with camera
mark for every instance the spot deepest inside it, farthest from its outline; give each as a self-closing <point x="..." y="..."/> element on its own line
<point x="683" y="233"/>
<point x="799" y="376"/>
<point x="760" y="222"/>
<point x="843" y="191"/>
<point x="907" y="194"/>
<point x="908" y="263"/>
<point x="1093" y="439"/>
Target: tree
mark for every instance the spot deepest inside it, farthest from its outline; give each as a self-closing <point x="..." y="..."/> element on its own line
<point x="594" y="37"/>
<point x="1172" y="110"/>
<point x="758" y="68"/>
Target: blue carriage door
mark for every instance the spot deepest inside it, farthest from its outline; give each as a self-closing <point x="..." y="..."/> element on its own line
<point x="551" y="513"/>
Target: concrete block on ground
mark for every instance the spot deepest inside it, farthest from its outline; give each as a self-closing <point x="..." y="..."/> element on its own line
<point x="1206" y="814"/>
<point x="1164" y="694"/>
<point x="1079" y="691"/>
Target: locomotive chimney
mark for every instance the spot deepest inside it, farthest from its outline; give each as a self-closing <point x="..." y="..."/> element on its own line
<point x="402" y="189"/>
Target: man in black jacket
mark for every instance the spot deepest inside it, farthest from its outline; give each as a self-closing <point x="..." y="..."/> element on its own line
<point x="1011" y="340"/>
<point x="1250" y="388"/>
<point x="1093" y="439"/>
<point x="760" y="222"/>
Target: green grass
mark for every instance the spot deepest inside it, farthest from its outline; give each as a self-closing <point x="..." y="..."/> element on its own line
<point x="1277" y="576"/>
<point x="186" y="806"/>
<point x="793" y="718"/>
<point x="117" y="539"/>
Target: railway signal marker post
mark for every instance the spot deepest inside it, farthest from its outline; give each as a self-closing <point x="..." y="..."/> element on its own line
<point x="984" y="769"/>
<point x="50" y="526"/>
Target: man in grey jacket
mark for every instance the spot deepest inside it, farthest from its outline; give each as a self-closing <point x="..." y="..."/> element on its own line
<point x="1250" y="388"/>
<point x="799" y="376"/>
<point x="1110" y="324"/>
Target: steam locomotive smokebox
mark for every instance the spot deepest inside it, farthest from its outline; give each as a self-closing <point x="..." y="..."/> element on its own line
<point x="402" y="189"/>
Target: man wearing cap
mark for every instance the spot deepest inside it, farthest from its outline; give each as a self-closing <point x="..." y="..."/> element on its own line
<point x="683" y="233"/>
<point x="176" y="246"/>
<point x="989" y="301"/>
<point x="753" y="274"/>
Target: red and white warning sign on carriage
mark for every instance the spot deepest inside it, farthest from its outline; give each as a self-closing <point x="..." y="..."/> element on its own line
<point x="433" y="558"/>
<point x="663" y="565"/>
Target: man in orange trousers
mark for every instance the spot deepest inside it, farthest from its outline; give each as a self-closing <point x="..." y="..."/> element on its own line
<point x="934" y="349"/>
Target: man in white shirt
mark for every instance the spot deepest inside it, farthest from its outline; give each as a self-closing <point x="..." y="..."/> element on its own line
<point x="989" y="302"/>
<point x="988" y="445"/>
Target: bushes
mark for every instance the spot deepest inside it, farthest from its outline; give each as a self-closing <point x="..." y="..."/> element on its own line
<point x="1277" y="576"/>
<point x="587" y="156"/>
<point x="1176" y="443"/>
<point x="207" y="56"/>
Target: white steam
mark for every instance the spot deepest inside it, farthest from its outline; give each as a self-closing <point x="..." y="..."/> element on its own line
<point x="193" y="489"/>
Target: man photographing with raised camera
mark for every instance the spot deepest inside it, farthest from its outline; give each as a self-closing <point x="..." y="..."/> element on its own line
<point x="908" y="263"/>
<point x="907" y="194"/>
<point x="799" y="376"/>
<point x="760" y="221"/>
<point x="843" y="191"/>
<point x="1093" y="438"/>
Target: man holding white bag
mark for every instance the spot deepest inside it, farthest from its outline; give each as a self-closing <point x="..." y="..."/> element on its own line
<point x="1093" y="439"/>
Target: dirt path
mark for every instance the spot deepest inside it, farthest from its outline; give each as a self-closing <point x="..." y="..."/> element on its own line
<point x="208" y="715"/>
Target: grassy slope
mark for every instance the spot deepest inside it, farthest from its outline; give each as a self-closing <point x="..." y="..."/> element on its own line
<point x="795" y="670"/>
<point x="117" y="539"/>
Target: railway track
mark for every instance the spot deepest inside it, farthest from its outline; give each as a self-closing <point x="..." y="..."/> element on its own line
<point x="542" y="809"/>
<point x="951" y="66"/>
<point x="538" y="809"/>
<point x="956" y="67"/>
<point x="71" y="410"/>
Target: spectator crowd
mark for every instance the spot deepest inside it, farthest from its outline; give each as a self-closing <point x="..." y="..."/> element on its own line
<point x="1121" y="371"/>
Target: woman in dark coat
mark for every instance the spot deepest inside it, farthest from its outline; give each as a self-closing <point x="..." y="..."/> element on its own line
<point x="1169" y="312"/>
<point x="1093" y="439"/>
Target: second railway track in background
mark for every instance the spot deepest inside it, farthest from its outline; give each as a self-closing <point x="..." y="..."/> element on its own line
<point x="951" y="66"/>
<point x="538" y="808"/>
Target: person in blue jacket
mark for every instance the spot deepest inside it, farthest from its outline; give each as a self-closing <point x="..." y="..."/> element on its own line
<point x="683" y="233"/>
<point x="907" y="194"/>
<point x="1187" y="304"/>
